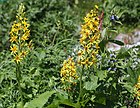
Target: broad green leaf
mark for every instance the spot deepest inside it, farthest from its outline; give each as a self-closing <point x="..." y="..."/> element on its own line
<point x="101" y="74"/>
<point x="90" y="85"/>
<point x="40" y="100"/>
<point x="67" y="102"/>
<point x="19" y="105"/>
<point x="94" y="78"/>
<point x="54" y="104"/>
<point x="114" y="85"/>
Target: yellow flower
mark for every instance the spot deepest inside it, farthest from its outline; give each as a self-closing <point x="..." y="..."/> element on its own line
<point x="24" y="23"/>
<point x="92" y="39"/>
<point x="25" y="29"/>
<point x="96" y="23"/>
<point x="96" y="6"/>
<point x="17" y="58"/>
<point x="80" y="53"/>
<point x="86" y="63"/>
<point x="13" y="39"/>
<point x="25" y="36"/>
<point x="30" y="45"/>
<point x="14" y="49"/>
<point x="23" y="53"/>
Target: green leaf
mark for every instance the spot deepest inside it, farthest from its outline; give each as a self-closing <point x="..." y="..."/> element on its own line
<point x="101" y="74"/>
<point x="93" y="98"/>
<point x="19" y="105"/>
<point x="102" y="44"/>
<point x="42" y="55"/>
<point x="116" y="42"/>
<point x="67" y="102"/>
<point x="40" y="100"/>
<point x="129" y="87"/>
<point x="101" y="100"/>
<point x="54" y="104"/>
<point x="103" y="33"/>
<point x="123" y="53"/>
<point x="113" y="30"/>
<point x="90" y="85"/>
<point x="119" y="22"/>
<point x="94" y="78"/>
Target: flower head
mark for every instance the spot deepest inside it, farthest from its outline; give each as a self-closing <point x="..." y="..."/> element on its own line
<point x="13" y="39"/>
<point x="90" y="39"/>
<point x="68" y="71"/>
<point x="19" y="35"/>
<point x="17" y="58"/>
<point x="13" y="49"/>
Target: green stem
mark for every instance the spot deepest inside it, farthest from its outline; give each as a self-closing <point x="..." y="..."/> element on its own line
<point x="80" y="92"/>
<point x="18" y="76"/>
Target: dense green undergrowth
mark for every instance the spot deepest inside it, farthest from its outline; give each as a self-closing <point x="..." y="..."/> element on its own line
<point x="55" y="32"/>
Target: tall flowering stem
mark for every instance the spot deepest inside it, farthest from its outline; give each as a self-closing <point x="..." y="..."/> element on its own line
<point x="90" y="39"/>
<point x="18" y="76"/>
<point x="19" y="35"/>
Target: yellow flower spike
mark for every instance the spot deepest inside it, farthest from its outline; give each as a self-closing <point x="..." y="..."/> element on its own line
<point x="68" y="71"/>
<point x="20" y="34"/>
<point x="90" y="38"/>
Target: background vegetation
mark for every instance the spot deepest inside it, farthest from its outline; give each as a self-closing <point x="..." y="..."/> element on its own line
<point x="55" y="31"/>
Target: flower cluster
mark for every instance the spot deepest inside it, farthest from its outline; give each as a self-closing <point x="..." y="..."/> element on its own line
<point x="19" y="35"/>
<point x="68" y="71"/>
<point x="137" y="90"/>
<point x="90" y="38"/>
